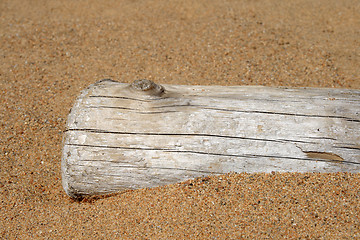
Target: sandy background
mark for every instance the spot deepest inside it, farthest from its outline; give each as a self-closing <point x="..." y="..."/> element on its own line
<point x="51" y="50"/>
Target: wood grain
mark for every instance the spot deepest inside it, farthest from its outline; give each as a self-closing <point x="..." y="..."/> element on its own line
<point x="122" y="136"/>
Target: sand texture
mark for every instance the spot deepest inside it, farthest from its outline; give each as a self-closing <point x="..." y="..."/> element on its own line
<point x="51" y="50"/>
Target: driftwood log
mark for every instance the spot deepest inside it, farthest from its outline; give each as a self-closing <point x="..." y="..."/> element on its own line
<point x="128" y="136"/>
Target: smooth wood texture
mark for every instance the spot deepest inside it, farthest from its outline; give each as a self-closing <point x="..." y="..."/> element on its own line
<point x="122" y="136"/>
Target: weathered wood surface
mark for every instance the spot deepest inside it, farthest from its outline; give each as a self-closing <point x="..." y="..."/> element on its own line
<point x="122" y="136"/>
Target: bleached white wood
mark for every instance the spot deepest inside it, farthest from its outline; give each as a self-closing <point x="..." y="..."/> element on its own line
<point x="122" y="136"/>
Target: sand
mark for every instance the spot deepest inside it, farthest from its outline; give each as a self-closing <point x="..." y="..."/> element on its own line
<point x="51" y="50"/>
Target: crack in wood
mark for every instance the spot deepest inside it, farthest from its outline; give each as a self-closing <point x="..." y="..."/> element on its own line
<point x="126" y="98"/>
<point x="110" y="107"/>
<point x="350" y="148"/>
<point x="158" y="112"/>
<point x="180" y="105"/>
<point x="287" y="114"/>
<point x="232" y="110"/>
<point x="214" y="154"/>
<point x="188" y="135"/>
<point x="131" y="109"/>
<point x="117" y="97"/>
<point x="147" y="167"/>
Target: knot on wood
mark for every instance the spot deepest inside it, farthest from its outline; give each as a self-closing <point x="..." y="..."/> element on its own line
<point x="148" y="86"/>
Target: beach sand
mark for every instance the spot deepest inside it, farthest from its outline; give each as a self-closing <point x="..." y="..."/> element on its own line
<point x="51" y="50"/>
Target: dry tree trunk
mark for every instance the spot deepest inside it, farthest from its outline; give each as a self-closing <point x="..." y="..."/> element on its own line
<point x="122" y="136"/>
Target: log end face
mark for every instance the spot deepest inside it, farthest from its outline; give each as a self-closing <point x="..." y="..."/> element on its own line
<point x="66" y="183"/>
<point x="66" y="177"/>
<point x="71" y="192"/>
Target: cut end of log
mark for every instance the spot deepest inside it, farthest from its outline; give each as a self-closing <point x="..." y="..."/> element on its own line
<point x="73" y="193"/>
